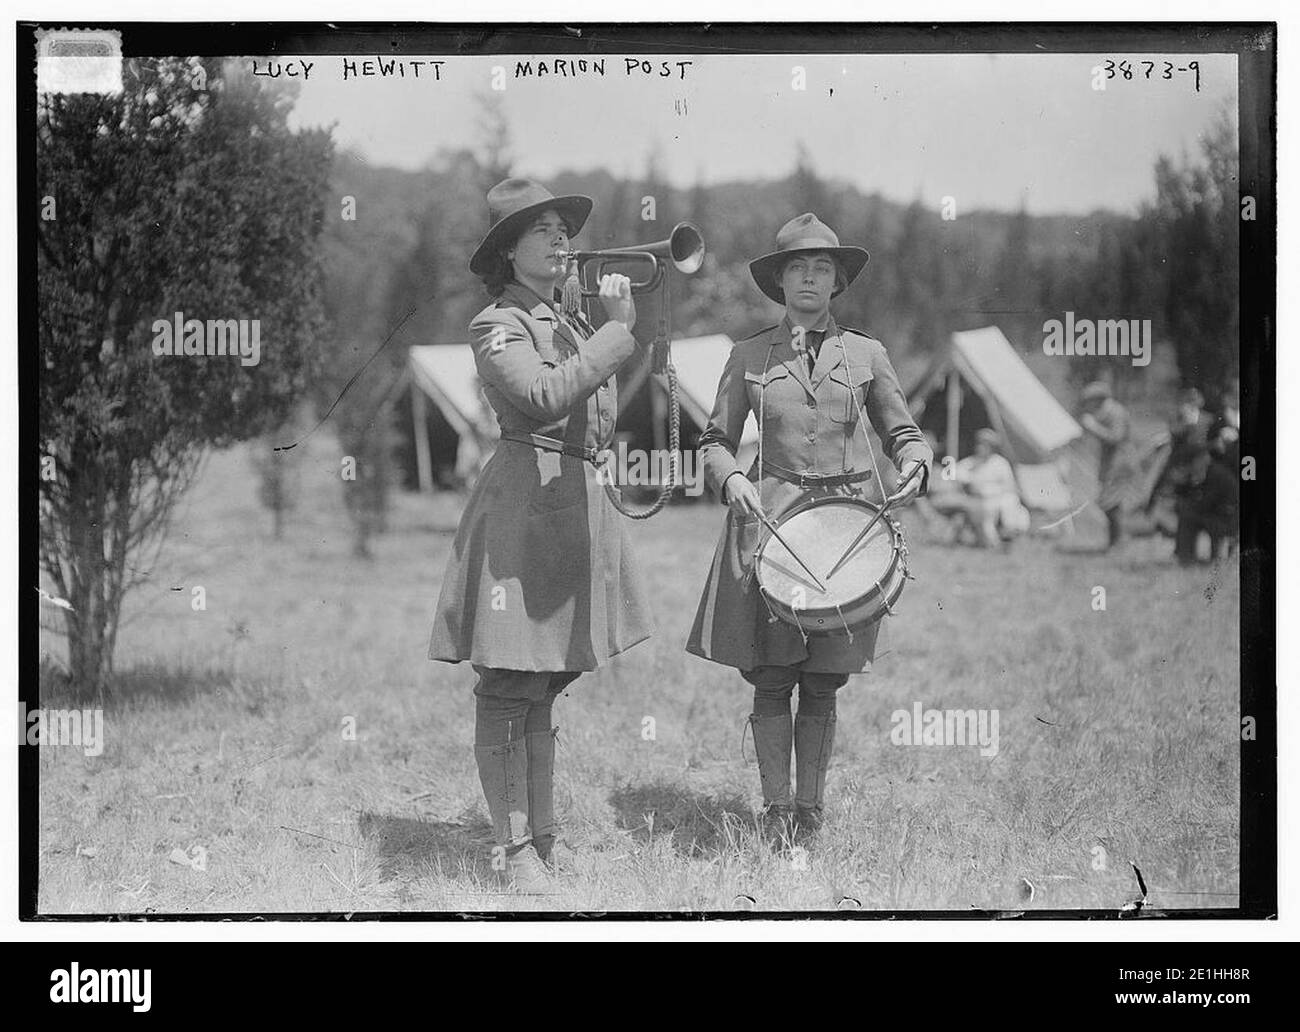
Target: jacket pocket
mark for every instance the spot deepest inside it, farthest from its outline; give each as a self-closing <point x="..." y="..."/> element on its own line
<point x="564" y="488"/>
<point x="548" y="553"/>
<point x="529" y="481"/>
<point x="743" y="536"/>
<point x="548" y="351"/>
<point x="851" y="390"/>
<point x="553" y="347"/>
<point x="769" y="395"/>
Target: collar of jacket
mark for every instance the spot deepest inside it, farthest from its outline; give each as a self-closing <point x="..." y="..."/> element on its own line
<point x="794" y="359"/>
<point x="519" y="296"/>
<point x="824" y="324"/>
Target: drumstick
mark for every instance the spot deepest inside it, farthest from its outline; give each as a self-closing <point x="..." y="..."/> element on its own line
<point x="793" y="554"/>
<point x="874" y="520"/>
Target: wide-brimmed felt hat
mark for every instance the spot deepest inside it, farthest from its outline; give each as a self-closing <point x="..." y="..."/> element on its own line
<point x="803" y="234"/>
<point x="512" y="204"/>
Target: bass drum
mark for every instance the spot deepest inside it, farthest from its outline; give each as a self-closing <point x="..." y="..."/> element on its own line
<point x="861" y="592"/>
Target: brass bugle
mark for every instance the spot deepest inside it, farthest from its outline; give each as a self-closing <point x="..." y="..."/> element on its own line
<point x="684" y="247"/>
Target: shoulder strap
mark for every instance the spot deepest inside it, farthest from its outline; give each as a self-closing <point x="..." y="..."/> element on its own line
<point x="862" y="419"/>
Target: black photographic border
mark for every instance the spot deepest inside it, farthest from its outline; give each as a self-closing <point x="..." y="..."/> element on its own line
<point x="1255" y="45"/>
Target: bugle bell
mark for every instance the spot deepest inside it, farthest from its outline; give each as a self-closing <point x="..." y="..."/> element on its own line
<point x="683" y="247"/>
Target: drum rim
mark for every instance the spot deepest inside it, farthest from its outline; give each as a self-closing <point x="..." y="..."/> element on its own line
<point x="843" y="632"/>
<point x="813" y="503"/>
<point x="873" y="594"/>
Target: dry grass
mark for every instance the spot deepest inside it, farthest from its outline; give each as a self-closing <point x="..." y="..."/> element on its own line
<point x="1118" y="730"/>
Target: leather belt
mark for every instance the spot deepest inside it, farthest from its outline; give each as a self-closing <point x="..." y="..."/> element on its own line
<point x="816" y="479"/>
<point x="591" y="455"/>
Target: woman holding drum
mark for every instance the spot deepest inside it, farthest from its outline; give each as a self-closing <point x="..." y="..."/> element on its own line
<point x="796" y="591"/>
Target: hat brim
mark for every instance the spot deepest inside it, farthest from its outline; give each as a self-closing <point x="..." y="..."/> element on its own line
<point x="852" y="259"/>
<point x="573" y="208"/>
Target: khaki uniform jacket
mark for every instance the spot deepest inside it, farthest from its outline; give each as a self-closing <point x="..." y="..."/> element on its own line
<point x="810" y="424"/>
<point x="541" y="576"/>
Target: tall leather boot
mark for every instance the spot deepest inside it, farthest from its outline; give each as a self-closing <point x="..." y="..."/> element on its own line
<point x="772" y="739"/>
<point x="503" y="772"/>
<point x="814" y="736"/>
<point x="541" y="799"/>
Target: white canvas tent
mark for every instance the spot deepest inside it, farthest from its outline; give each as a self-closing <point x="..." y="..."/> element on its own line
<point x="446" y="374"/>
<point x="699" y="362"/>
<point x="1039" y="436"/>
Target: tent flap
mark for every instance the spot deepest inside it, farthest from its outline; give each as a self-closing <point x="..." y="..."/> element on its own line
<point x="986" y="358"/>
<point x="448" y="375"/>
<point x="699" y="362"/>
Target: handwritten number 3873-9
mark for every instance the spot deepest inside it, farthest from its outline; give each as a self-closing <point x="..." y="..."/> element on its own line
<point x="1145" y="69"/>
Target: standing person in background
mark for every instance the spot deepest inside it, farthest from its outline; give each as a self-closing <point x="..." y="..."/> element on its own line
<point x="1230" y="407"/>
<point x="1211" y="505"/>
<point x="541" y="584"/>
<point x="1118" y="470"/>
<point x="1189" y="454"/>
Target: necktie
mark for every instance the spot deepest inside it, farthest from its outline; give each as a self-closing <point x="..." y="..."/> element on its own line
<point x="813" y="345"/>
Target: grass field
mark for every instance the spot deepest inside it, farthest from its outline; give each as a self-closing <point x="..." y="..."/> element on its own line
<point x="228" y="741"/>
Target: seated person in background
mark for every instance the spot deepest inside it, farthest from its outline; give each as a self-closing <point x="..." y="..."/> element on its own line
<point x="983" y="489"/>
<point x="991" y="495"/>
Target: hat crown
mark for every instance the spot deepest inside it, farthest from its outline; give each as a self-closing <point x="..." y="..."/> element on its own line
<point x="510" y="204"/>
<point x="512" y="195"/>
<point x="804" y="232"/>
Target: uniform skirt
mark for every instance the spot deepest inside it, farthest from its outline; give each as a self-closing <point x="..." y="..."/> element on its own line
<point x="733" y="625"/>
<point x="541" y="575"/>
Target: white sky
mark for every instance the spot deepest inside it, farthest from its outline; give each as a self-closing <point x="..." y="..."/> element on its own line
<point x="985" y="129"/>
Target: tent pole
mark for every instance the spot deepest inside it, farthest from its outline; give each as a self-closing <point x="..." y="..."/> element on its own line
<point x="954" y="413"/>
<point x="419" y="419"/>
<point x="995" y="413"/>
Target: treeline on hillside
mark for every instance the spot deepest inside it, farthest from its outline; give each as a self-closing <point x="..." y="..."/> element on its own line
<point x="398" y="267"/>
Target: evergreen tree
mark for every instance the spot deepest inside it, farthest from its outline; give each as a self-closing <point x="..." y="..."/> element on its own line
<point x="184" y="193"/>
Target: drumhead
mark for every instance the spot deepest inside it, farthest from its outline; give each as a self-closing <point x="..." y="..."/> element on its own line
<point x="820" y="532"/>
